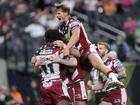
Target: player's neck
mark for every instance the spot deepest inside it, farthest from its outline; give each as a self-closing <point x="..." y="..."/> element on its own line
<point x="66" y="20"/>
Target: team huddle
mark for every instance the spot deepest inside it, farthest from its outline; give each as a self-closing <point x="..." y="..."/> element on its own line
<point x="66" y="60"/>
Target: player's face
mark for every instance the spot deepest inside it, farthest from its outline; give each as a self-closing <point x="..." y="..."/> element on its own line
<point x="61" y="15"/>
<point x="102" y="50"/>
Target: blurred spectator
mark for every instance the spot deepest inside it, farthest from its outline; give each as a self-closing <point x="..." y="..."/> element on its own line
<point x="79" y="6"/>
<point x="4" y="6"/>
<point x="52" y="22"/>
<point x="122" y="48"/>
<point x="69" y="3"/>
<point x="35" y="29"/>
<point x="34" y="95"/>
<point x="8" y="25"/>
<point x="90" y="5"/>
<point x="137" y="39"/>
<point x="5" y="97"/>
<point x="130" y="27"/>
<point x="109" y="7"/>
<point x="21" y="11"/>
<point x="16" y="95"/>
<point x="21" y="7"/>
<point x="7" y="19"/>
<point x="127" y="3"/>
<point x="41" y="16"/>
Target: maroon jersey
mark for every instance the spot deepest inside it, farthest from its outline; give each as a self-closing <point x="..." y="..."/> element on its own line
<point x="114" y="65"/>
<point x="116" y="95"/>
<point x="51" y="70"/>
<point x="66" y="29"/>
<point x="53" y="76"/>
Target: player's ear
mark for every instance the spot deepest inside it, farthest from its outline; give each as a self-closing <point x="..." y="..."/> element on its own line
<point x="106" y="51"/>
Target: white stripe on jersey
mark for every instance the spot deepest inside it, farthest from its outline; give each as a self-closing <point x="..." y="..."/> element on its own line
<point x="84" y="32"/>
<point x="74" y="74"/>
<point x="93" y="48"/>
<point x="95" y="75"/>
<point x="123" y="96"/>
<point x="83" y="90"/>
<point x="65" y="88"/>
<point x="74" y="23"/>
<point x="78" y="23"/>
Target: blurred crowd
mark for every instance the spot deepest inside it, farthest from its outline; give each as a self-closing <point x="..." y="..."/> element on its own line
<point x="24" y="22"/>
<point x="15" y="96"/>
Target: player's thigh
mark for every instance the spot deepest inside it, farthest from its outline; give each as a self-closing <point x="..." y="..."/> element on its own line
<point x="80" y="91"/>
<point x="105" y="103"/>
<point x="97" y="62"/>
<point x="95" y="59"/>
<point x="86" y="74"/>
<point x="80" y="103"/>
<point x="63" y="102"/>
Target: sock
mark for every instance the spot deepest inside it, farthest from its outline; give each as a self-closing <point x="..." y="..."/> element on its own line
<point x="112" y="76"/>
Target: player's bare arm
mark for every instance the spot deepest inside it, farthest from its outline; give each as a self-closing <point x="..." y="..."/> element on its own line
<point x="73" y="51"/>
<point x="33" y="59"/>
<point x="37" y="65"/>
<point x="71" y="61"/>
<point x="73" y="40"/>
<point x="122" y="73"/>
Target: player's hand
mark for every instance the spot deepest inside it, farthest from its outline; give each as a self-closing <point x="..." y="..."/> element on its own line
<point x="33" y="60"/>
<point x="40" y="62"/>
<point x="59" y="43"/>
<point x="66" y="51"/>
<point x="55" y="58"/>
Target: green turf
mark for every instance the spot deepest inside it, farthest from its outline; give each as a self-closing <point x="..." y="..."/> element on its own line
<point x="129" y="71"/>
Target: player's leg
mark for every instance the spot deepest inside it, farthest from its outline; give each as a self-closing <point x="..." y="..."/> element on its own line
<point x="59" y="93"/>
<point x="105" y="103"/>
<point x="123" y="96"/>
<point x="80" y="93"/>
<point x="80" y="103"/>
<point x="63" y="102"/>
<point x="97" y="62"/>
<point x="86" y="75"/>
<point x="71" y="92"/>
<point x="116" y="96"/>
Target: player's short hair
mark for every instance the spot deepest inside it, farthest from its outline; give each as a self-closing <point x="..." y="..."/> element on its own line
<point x="63" y="7"/>
<point x="53" y="35"/>
<point x="107" y="46"/>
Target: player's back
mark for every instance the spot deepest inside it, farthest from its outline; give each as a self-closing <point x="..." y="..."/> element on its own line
<point x="49" y="70"/>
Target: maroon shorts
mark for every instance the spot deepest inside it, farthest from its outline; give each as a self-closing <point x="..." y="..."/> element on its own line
<point x="53" y="92"/>
<point x="116" y="97"/>
<point x="72" y="95"/>
<point x="85" y="63"/>
<point x="80" y="91"/>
